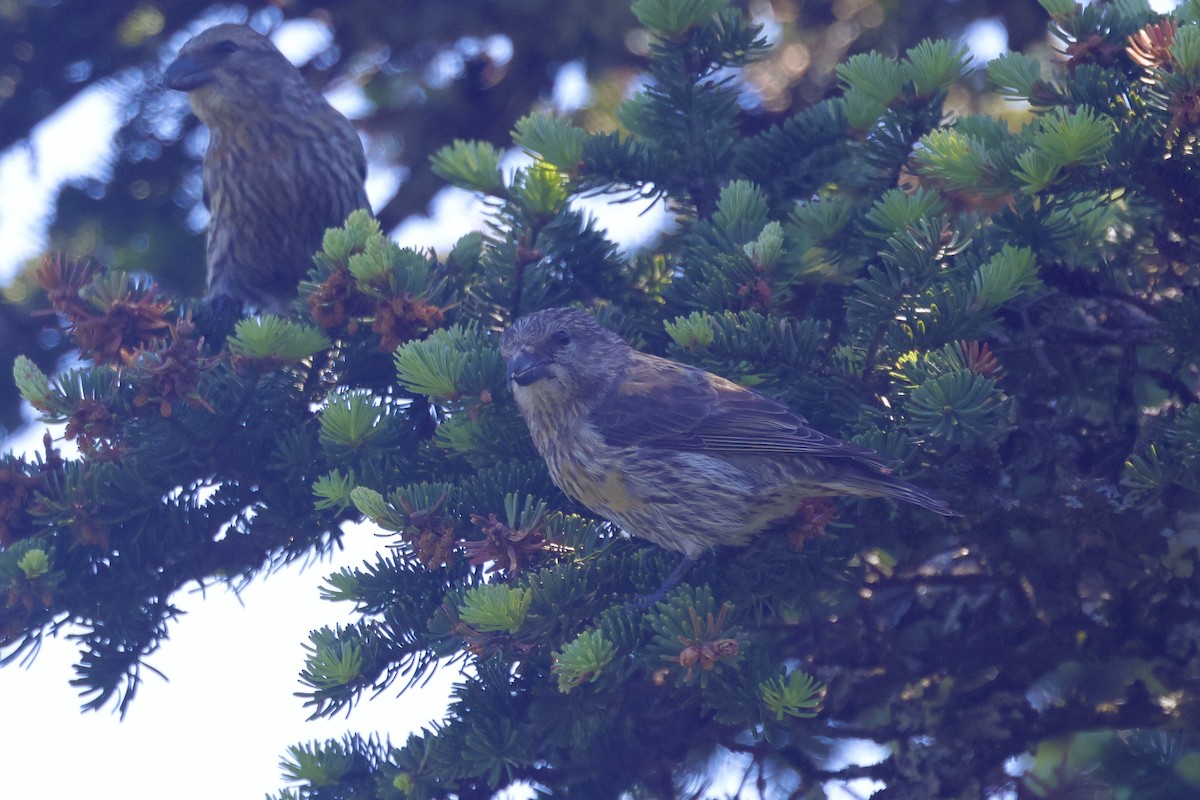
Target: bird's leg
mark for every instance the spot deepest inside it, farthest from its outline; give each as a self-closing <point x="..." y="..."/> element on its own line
<point x="646" y="600"/>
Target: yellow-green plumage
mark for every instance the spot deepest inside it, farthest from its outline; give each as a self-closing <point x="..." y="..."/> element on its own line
<point x="671" y="453"/>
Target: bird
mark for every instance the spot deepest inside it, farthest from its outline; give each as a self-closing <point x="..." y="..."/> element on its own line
<point x="671" y="453"/>
<point x="282" y="164"/>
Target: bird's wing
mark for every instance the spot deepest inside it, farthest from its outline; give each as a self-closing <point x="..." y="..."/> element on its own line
<point x="659" y="403"/>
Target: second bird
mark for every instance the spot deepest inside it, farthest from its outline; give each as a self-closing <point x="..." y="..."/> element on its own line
<point x="671" y="453"/>
<point x="282" y="164"/>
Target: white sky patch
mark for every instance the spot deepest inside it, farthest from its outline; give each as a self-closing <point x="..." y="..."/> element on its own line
<point x="383" y="180"/>
<point x="522" y="790"/>
<point x="27" y="440"/>
<point x="301" y="39"/>
<point x="849" y="753"/>
<point x="450" y="64"/>
<point x="453" y="214"/>
<point x="499" y="48"/>
<point x="232" y="662"/>
<point x="986" y="39"/>
<point x="349" y="100"/>
<point x="764" y="14"/>
<point x="444" y="68"/>
<point x="513" y="160"/>
<point x="631" y="225"/>
<point x="856" y="789"/>
<point x="245" y="727"/>
<point x="74" y="142"/>
<point x="571" y="89"/>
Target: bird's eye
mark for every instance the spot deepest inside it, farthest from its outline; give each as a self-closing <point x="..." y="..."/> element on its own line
<point x="225" y="47"/>
<point x="562" y="338"/>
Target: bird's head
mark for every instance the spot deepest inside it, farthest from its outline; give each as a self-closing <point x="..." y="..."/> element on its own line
<point x="560" y="357"/>
<point x="231" y="73"/>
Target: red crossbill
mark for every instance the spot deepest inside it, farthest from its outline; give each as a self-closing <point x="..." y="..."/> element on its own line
<point x="671" y="453"/>
<point x="282" y="164"/>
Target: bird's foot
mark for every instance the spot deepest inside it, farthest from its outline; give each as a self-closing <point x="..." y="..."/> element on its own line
<point x="642" y="602"/>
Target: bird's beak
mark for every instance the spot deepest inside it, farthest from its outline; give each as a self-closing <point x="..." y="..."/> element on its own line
<point x="526" y="368"/>
<point x="186" y="74"/>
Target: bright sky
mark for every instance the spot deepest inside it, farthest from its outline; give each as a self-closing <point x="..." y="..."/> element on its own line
<point x="220" y="725"/>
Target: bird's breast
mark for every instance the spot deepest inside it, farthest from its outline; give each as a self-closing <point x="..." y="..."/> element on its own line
<point x="584" y="466"/>
<point x="600" y="487"/>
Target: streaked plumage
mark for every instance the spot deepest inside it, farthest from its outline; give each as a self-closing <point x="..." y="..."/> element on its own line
<point x="671" y="453"/>
<point x="282" y="164"/>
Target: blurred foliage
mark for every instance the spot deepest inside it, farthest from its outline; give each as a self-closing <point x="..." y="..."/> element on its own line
<point x="429" y="74"/>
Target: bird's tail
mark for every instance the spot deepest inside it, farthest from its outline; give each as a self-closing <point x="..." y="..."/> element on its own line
<point x="883" y="485"/>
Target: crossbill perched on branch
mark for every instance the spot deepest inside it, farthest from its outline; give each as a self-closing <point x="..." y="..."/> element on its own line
<point x="671" y="453"/>
<point x="282" y="164"/>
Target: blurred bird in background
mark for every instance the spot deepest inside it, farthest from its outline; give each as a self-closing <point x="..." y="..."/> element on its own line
<point x="282" y="164"/>
<point x="671" y="453"/>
